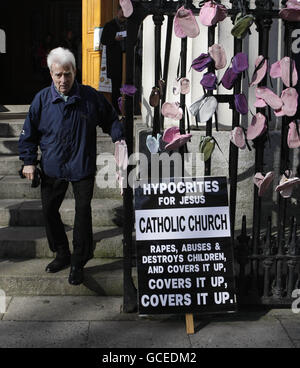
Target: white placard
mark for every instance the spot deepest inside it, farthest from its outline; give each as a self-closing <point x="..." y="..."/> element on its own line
<point x="97" y="38"/>
<point x="104" y="82"/>
<point x="182" y="223"/>
<point x="122" y="33"/>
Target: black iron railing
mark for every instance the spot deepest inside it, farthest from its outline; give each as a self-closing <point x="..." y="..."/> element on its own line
<point x="267" y="264"/>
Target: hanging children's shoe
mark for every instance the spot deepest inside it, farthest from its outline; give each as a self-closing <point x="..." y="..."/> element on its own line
<point x="293" y="138"/>
<point x="289" y="98"/>
<point x="242" y="25"/>
<point x="237" y="137"/>
<point x="258" y="126"/>
<point x="211" y="13"/>
<point x="291" y="12"/>
<point x="263" y="182"/>
<point x="269" y="97"/>
<point x="217" y="53"/>
<point x="241" y="103"/>
<point x="286" y="184"/>
<point x="185" y="24"/>
<point x="127" y="7"/>
<point x="261" y="67"/>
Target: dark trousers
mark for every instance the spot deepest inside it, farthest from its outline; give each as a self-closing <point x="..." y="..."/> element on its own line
<point x="52" y="193"/>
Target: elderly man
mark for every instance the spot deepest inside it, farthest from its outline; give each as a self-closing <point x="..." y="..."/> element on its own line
<point x="62" y="120"/>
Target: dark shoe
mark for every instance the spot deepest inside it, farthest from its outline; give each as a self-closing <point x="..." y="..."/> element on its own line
<point x="154" y="97"/>
<point x="76" y="275"/>
<point x="58" y="264"/>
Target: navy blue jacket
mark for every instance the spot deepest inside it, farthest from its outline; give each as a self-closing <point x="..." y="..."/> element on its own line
<point x="66" y="131"/>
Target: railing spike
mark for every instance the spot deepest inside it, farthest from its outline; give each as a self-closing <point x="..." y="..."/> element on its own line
<point x="268" y="240"/>
<point x="293" y="244"/>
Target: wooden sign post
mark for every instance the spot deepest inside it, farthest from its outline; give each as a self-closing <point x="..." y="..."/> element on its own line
<point x="184" y="250"/>
<point x="189" y="323"/>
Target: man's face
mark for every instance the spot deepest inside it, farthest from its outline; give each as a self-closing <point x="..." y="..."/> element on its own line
<point x="63" y="77"/>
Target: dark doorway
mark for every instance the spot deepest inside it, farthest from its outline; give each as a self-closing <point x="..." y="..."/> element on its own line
<point x="33" y="27"/>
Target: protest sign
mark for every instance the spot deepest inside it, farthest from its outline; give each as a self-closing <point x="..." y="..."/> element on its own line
<point x="184" y="250"/>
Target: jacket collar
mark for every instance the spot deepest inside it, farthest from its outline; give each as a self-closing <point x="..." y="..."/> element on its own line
<point x="74" y="94"/>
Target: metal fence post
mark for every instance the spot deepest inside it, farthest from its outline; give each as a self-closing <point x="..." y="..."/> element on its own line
<point x="129" y="289"/>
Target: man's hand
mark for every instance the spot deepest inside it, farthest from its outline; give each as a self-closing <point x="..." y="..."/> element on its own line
<point x="117" y="131"/>
<point x="119" y="38"/>
<point x="28" y="171"/>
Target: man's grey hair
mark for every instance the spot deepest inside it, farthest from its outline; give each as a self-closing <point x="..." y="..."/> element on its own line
<point x="61" y="56"/>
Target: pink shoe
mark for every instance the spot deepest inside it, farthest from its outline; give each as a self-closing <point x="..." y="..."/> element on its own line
<point x="293" y="139"/>
<point x="258" y="126"/>
<point x="169" y="134"/>
<point x="293" y="4"/>
<point x="261" y="66"/>
<point x="269" y="97"/>
<point x="178" y="141"/>
<point x="172" y="110"/>
<point x="275" y="70"/>
<point x="289" y="97"/>
<point x="263" y="182"/>
<point x="292" y="11"/>
<point x="184" y="86"/>
<point x="217" y="53"/>
<point x="237" y="137"/>
<point x="286" y="184"/>
<point x="121" y="154"/>
<point x="212" y="13"/>
<point x="174" y="139"/>
<point x="127" y="7"/>
<point x="259" y="103"/>
<point x="208" y="13"/>
<point x="185" y="24"/>
<point x="281" y="69"/>
<point x="285" y="72"/>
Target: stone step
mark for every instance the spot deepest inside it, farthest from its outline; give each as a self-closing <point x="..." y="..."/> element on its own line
<point x="8" y="110"/>
<point x="9" y="145"/>
<point x="11" y="164"/>
<point x="12" y="186"/>
<point x="28" y="278"/>
<point x="20" y="212"/>
<point x="12" y="127"/>
<point x="31" y="242"/>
